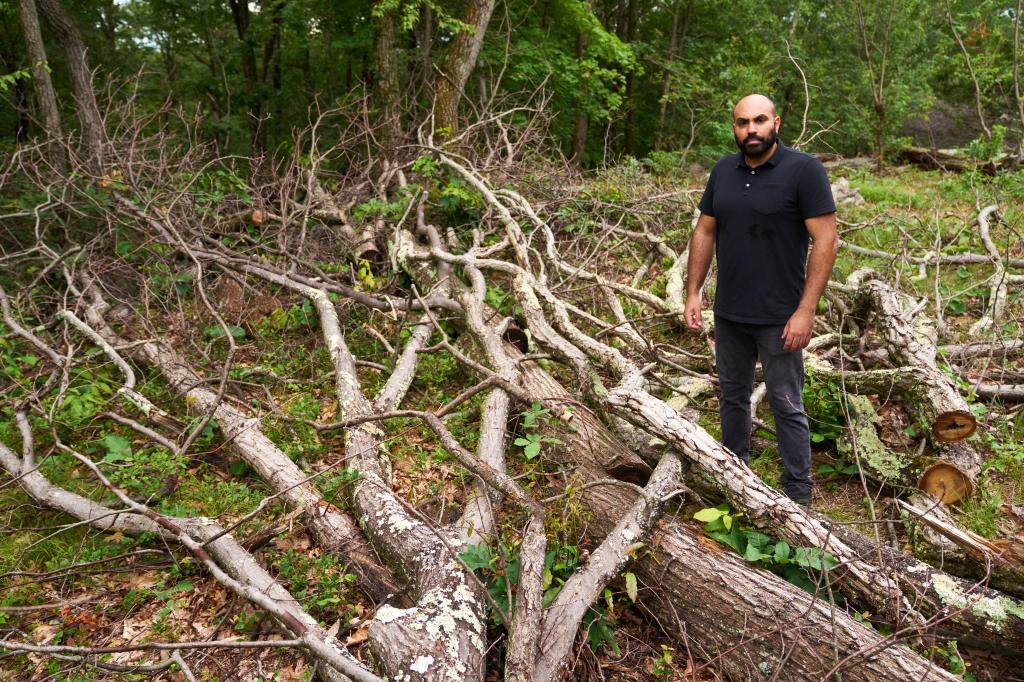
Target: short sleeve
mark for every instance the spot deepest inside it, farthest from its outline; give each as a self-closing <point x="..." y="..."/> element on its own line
<point x="814" y="191"/>
<point x="707" y="202"/>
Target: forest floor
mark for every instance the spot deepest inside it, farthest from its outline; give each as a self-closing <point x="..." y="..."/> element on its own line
<point x="65" y="584"/>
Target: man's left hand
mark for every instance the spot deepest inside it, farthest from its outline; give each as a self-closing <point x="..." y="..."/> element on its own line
<point x="797" y="333"/>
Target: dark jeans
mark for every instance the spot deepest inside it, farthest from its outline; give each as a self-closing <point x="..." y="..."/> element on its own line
<point x="738" y="346"/>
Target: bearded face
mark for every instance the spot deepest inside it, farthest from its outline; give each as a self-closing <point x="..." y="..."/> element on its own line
<point x="754" y="145"/>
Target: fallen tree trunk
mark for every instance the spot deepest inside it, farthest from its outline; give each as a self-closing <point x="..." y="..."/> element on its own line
<point x="939" y="540"/>
<point x="909" y="337"/>
<point x="939" y="159"/>
<point x="754" y="624"/>
<point x="936" y="538"/>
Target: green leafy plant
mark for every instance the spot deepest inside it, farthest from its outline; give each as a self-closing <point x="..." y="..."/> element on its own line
<point x="823" y="402"/>
<point x="956" y="663"/>
<point x="8" y="80"/>
<point x="500" y="569"/>
<point x="531" y="441"/>
<point x="662" y="667"/>
<point x="792" y="564"/>
<point x="215" y="331"/>
<point x="839" y="467"/>
<point x="320" y="583"/>
<point x="986" y="149"/>
<point x="378" y="208"/>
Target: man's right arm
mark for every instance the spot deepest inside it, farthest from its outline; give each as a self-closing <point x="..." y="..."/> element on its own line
<point x="702" y="248"/>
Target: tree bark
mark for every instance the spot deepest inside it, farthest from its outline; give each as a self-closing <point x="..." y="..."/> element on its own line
<point x="762" y="625"/>
<point x="387" y="86"/>
<point x="459" y="61"/>
<point x="629" y="139"/>
<point x="910" y="340"/>
<point x="47" y="109"/>
<point x="253" y="95"/>
<point x="673" y="46"/>
<point x="579" y="138"/>
<point x="1016" y="64"/>
<point x="89" y="118"/>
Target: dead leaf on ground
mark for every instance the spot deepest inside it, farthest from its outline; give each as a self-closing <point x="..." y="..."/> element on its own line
<point x="358" y="637"/>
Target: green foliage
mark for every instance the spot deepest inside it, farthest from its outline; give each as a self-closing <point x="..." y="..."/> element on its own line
<point x="320" y="583"/>
<point x="793" y="564"/>
<point x="376" y="207"/>
<point x="662" y="666"/>
<point x="533" y="419"/>
<point x="500" y="572"/>
<point x="839" y="467"/>
<point x="980" y="513"/>
<point x="215" y="331"/>
<point x="14" y="363"/>
<point x="211" y="188"/>
<point x="955" y="662"/>
<point x="1007" y="446"/>
<point x="334" y="484"/>
<point x="8" y="80"/>
<point x="987" y="148"/>
<point x="824" y="405"/>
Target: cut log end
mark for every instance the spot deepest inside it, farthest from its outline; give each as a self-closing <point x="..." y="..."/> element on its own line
<point x="946" y="482"/>
<point x="954" y="426"/>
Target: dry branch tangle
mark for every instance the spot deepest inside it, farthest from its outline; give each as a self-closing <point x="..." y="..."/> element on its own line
<point x="332" y="528"/>
<point x="229" y="563"/>
<point x="443" y="636"/>
<point x="908" y="591"/>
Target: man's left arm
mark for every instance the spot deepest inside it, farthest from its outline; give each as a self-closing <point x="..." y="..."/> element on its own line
<point x="825" y="240"/>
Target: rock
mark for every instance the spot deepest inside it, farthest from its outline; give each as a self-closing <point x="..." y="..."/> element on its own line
<point x="844" y="194"/>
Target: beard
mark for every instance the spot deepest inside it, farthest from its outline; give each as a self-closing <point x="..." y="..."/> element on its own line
<point x="760" y="145"/>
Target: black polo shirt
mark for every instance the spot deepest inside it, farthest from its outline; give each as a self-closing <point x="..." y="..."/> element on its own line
<point x="761" y="242"/>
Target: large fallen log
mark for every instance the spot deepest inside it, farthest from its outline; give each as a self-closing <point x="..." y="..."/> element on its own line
<point x="910" y="339"/>
<point x="751" y="622"/>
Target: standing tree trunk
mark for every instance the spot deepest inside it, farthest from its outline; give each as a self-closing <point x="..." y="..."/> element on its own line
<point x="458" y="64"/>
<point x="425" y="34"/>
<point x="385" y="61"/>
<point x="970" y="71"/>
<point x="81" y="79"/>
<point x="674" y="42"/>
<point x="629" y="139"/>
<point x="252" y="96"/>
<point x="1016" y="65"/>
<point x="579" y="142"/>
<point x="270" y="69"/>
<point x="872" y="49"/>
<point x="47" y="109"/>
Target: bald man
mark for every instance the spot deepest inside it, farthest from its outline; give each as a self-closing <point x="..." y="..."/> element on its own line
<point x="759" y="211"/>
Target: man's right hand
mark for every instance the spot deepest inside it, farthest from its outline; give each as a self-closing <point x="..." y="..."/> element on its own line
<point x="692" y="312"/>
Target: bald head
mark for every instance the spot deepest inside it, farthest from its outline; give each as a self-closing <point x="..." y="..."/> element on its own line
<point x="752" y="105"/>
<point x="755" y="126"/>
